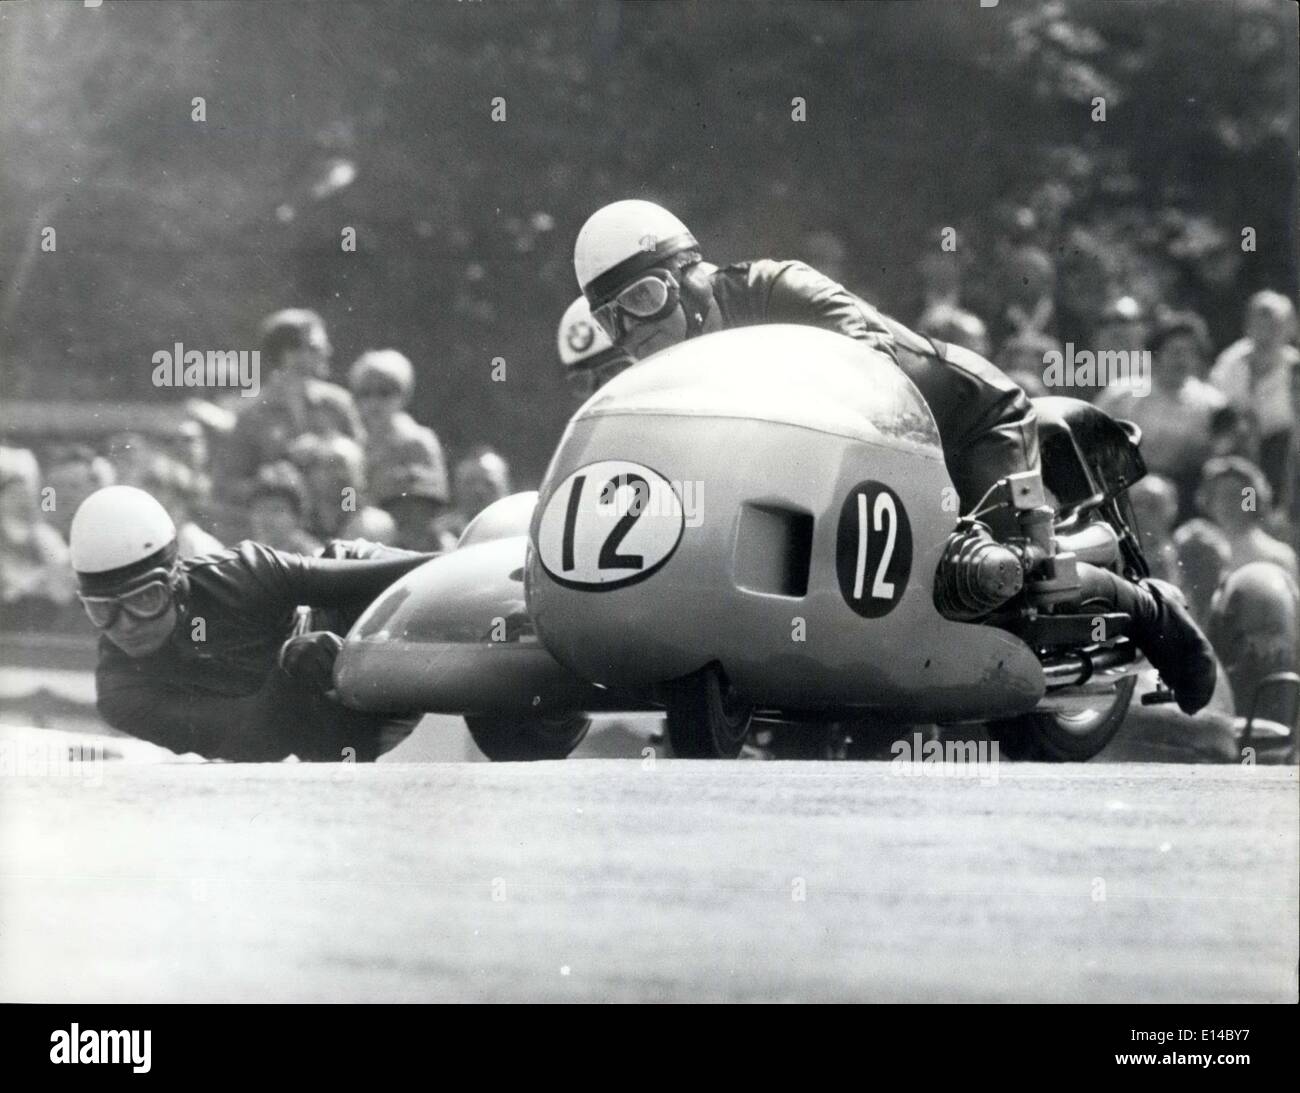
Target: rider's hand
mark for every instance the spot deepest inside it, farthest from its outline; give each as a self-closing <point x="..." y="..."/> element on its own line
<point x="309" y="658"/>
<point x="358" y="549"/>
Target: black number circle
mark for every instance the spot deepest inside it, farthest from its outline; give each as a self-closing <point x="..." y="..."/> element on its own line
<point x="873" y="549"/>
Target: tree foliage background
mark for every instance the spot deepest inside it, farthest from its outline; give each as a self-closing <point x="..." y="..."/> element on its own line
<point x="377" y="116"/>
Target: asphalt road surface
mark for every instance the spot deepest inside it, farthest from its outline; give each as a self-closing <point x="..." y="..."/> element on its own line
<point x="626" y="880"/>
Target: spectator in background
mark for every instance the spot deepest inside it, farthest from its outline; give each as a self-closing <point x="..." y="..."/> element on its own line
<point x="180" y="491"/>
<point x="130" y="455"/>
<point x="335" y="472"/>
<point x="415" y="498"/>
<point x="35" y="572"/>
<point x="1083" y="285"/>
<point x="73" y="472"/>
<point x="1236" y="498"/>
<point x="382" y="382"/>
<point x="1029" y="283"/>
<point x="1122" y="326"/>
<point x="480" y="478"/>
<point x="1023" y="357"/>
<point x="953" y="324"/>
<point x="1234" y="432"/>
<point x="201" y="443"/>
<point x="1255" y="375"/>
<point x="214" y="423"/>
<point x="1204" y="559"/>
<point x="1175" y="416"/>
<point x="296" y="400"/>
<point x="188" y="448"/>
<point x="940" y="280"/>
<point x="1155" y="506"/>
<point x="372" y="524"/>
<point x="188" y="445"/>
<point x="278" y="509"/>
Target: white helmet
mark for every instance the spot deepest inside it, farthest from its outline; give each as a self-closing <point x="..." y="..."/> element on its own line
<point x="580" y="337"/>
<point x="119" y="528"/>
<point x="624" y="239"/>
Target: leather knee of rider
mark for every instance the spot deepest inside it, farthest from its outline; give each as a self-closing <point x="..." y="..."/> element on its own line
<point x="1102" y="587"/>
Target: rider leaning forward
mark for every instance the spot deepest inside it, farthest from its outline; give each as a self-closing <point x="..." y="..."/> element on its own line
<point x="646" y="283"/>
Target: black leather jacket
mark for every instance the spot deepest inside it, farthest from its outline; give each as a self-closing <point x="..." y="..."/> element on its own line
<point x="214" y="687"/>
<point x="986" y="422"/>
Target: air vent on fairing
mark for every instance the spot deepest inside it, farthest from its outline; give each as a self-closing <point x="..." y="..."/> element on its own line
<point x="773" y="549"/>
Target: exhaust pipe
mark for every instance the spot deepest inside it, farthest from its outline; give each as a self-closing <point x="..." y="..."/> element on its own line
<point x="1077" y="669"/>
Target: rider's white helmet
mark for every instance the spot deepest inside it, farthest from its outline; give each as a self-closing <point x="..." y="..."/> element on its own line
<point x="622" y="240"/>
<point x="119" y="528"/>
<point x="580" y="338"/>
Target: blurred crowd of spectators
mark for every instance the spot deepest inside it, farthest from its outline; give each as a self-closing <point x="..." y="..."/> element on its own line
<point x="307" y="461"/>
<point x="304" y="462"/>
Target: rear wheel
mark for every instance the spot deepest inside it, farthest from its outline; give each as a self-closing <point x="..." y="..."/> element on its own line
<point x="707" y="719"/>
<point x="1069" y="734"/>
<point x="526" y="737"/>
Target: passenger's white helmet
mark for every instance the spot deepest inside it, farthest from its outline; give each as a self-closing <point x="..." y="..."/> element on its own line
<point x="580" y="337"/>
<point x="624" y="239"/>
<point x="120" y="527"/>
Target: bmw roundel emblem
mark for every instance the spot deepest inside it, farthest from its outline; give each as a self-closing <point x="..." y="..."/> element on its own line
<point x="581" y="336"/>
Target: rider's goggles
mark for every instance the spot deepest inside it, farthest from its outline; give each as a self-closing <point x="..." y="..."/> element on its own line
<point x="146" y="601"/>
<point x="645" y="300"/>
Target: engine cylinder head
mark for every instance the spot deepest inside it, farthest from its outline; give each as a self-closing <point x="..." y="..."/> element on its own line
<point x="976" y="574"/>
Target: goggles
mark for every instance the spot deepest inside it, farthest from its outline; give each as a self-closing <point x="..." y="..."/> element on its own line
<point x="646" y="299"/>
<point x="144" y="602"/>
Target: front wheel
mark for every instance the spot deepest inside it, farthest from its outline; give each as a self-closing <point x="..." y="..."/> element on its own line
<point x="527" y="737"/>
<point x="1066" y="735"/>
<point x="707" y="719"/>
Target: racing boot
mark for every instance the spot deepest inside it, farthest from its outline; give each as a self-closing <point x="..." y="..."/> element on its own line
<point x="1163" y="630"/>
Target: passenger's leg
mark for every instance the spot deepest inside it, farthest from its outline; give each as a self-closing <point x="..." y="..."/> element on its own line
<point x="1162" y="629"/>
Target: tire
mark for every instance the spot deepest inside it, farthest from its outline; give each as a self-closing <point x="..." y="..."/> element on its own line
<point x="527" y="738"/>
<point x="706" y="718"/>
<point x="1056" y="737"/>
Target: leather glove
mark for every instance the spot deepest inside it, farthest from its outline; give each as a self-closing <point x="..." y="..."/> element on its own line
<point x="357" y="549"/>
<point x="309" y="658"/>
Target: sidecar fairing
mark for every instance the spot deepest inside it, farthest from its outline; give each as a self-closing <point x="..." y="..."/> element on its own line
<point x="454" y="636"/>
<point x="772" y="501"/>
<point x="769" y="501"/>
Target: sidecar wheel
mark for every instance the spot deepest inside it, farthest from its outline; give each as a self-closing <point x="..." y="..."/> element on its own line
<point x="707" y="719"/>
<point x="526" y="738"/>
<point x="1059" y="737"/>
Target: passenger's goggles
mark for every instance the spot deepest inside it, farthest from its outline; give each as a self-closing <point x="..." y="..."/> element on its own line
<point x="144" y="602"/>
<point x="643" y="301"/>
